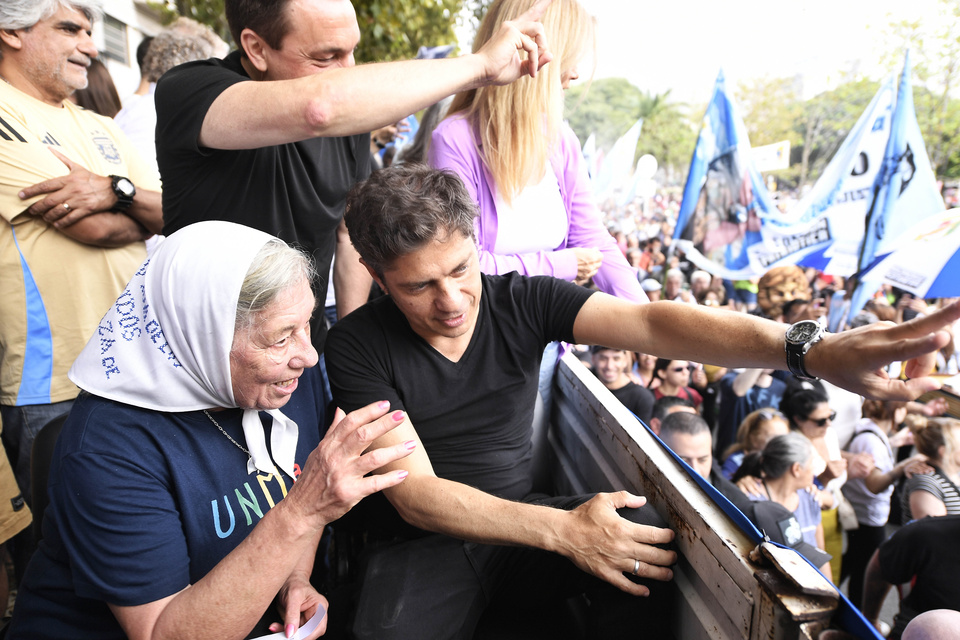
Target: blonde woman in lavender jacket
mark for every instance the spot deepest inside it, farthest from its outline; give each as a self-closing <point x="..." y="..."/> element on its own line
<point x="524" y="168"/>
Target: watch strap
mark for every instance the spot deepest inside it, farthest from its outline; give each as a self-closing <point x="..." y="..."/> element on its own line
<point x="124" y="200"/>
<point x="795" y="353"/>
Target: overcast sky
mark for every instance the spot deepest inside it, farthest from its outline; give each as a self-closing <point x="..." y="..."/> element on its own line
<point x="680" y="45"/>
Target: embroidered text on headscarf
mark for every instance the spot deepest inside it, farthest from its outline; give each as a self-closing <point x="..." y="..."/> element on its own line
<point x="165" y="344"/>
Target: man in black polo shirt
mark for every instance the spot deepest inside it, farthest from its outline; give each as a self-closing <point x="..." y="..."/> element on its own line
<point x="275" y="134"/>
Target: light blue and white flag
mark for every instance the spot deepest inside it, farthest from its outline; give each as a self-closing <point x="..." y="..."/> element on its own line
<point x="617" y="166"/>
<point x="725" y="198"/>
<point x="825" y="228"/>
<point x="927" y="264"/>
<point x="904" y="192"/>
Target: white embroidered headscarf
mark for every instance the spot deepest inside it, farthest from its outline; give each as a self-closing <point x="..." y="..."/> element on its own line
<point x="165" y="344"/>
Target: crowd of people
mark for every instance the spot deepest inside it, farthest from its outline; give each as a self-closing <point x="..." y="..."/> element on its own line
<point x="877" y="464"/>
<point x="161" y="266"/>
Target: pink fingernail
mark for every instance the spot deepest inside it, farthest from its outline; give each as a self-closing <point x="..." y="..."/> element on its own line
<point x="403" y="474"/>
<point x="410" y="444"/>
<point x="397" y="416"/>
<point x="383" y="404"/>
<point x="289" y="630"/>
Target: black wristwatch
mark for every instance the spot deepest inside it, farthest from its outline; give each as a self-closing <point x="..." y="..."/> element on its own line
<point x="798" y="340"/>
<point x="124" y="191"/>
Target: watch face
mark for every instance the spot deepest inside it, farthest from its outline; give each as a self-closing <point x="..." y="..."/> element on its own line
<point x="803" y="331"/>
<point x="126" y="187"/>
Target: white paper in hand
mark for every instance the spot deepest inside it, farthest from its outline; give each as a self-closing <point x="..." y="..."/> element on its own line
<point x="303" y="631"/>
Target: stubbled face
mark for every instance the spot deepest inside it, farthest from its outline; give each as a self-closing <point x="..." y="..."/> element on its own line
<point x="269" y="357"/>
<point x="322" y="35"/>
<point x="437" y="287"/>
<point x="54" y="55"/>
<point x="611" y="366"/>
<point x="695" y="450"/>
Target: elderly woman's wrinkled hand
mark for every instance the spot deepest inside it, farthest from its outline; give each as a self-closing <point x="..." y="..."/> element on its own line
<point x="335" y="478"/>
<point x="297" y="602"/>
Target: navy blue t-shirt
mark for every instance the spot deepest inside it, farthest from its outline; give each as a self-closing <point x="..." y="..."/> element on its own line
<point x="143" y="504"/>
<point x="733" y="408"/>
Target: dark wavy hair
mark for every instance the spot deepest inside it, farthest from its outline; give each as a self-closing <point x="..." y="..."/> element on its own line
<point x="400" y="209"/>
<point x="799" y="403"/>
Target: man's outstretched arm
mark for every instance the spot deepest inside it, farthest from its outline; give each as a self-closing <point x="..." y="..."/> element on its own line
<point x="347" y="101"/>
<point x="854" y="360"/>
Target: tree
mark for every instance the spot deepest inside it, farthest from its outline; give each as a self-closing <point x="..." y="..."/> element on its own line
<point x="390" y="29"/>
<point x="935" y="57"/>
<point x="825" y="122"/>
<point x="612" y="105"/>
<point x="396" y="29"/>
<point x="771" y="108"/>
<point x="208" y="12"/>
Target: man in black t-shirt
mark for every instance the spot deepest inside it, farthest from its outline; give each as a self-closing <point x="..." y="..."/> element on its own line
<point x="458" y="352"/>
<point x="926" y="552"/>
<point x="610" y="367"/>
<point x="274" y="135"/>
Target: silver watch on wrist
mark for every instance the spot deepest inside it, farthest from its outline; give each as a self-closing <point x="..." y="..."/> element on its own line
<point x="797" y="342"/>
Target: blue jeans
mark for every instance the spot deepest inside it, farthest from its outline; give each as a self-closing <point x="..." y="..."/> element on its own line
<point x="20" y="426"/>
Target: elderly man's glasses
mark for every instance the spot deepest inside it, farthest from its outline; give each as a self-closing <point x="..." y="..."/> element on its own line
<point x="822" y="422"/>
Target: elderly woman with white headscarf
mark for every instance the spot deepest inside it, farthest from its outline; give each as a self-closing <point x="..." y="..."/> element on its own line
<point x="170" y="515"/>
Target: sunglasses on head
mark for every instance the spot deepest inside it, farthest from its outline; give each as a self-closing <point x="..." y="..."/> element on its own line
<point x="770" y="415"/>
<point x="822" y="422"/>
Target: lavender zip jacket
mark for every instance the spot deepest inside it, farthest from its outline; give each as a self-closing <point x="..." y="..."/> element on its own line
<point x="454" y="147"/>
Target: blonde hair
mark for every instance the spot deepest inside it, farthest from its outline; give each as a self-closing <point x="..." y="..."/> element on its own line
<point x="518" y="125"/>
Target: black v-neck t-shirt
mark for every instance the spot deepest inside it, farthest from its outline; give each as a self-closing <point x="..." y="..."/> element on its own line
<point x="473" y="416"/>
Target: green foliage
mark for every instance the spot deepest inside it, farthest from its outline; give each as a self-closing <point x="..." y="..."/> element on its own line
<point x="770" y="108"/>
<point x="935" y="57"/>
<point x="612" y="105"/>
<point x="396" y="29"/>
<point x="827" y="120"/>
<point x="208" y="12"/>
<point x="390" y="29"/>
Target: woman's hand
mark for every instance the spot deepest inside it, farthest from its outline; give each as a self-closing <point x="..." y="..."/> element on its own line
<point x="337" y="474"/>
<point x="298" y="602"/>
<point x="902" y="438"/>
<point x="917" y="465"/>
<point x="750" y="486"/>
<point x="588" y="263"/>
<point x="698" y="377"/>
<point x="859" y="465"/>
<point x="817" y="495"/>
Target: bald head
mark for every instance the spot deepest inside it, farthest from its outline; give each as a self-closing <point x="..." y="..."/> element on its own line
<point x="938" y="624"/>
